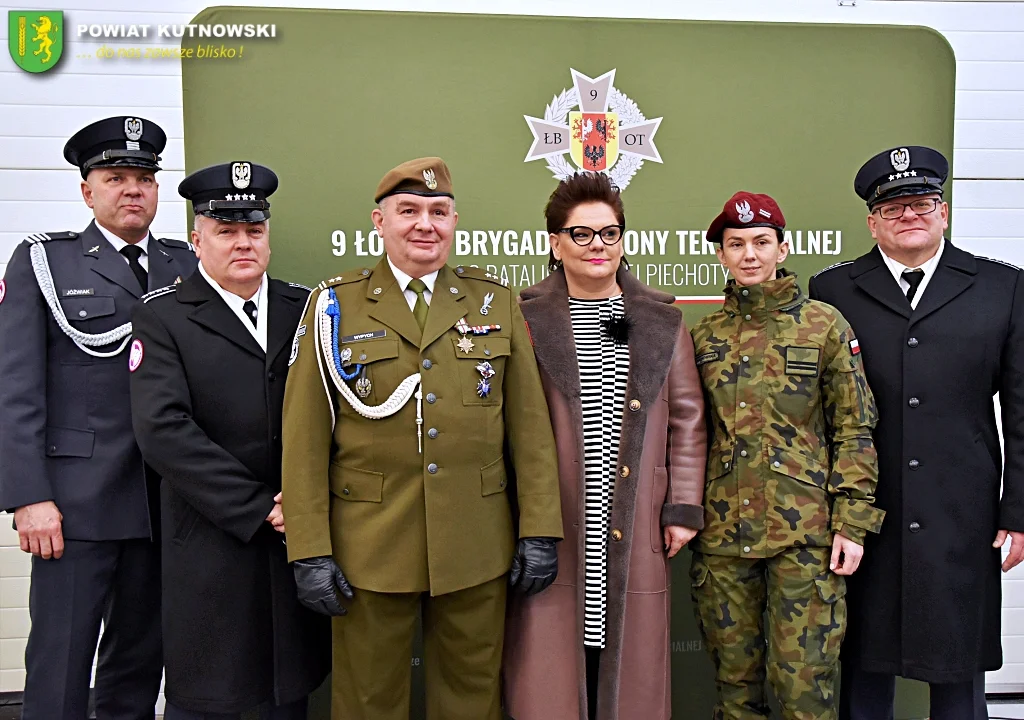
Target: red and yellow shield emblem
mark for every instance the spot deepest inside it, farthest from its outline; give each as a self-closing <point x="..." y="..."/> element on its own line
<point x="594" y="140"/>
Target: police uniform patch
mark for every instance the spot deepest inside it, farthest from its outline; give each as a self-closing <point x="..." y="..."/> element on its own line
<point x="708" y="357"/>
<point x="135" y="355"/>
<point x="802" y="360"/>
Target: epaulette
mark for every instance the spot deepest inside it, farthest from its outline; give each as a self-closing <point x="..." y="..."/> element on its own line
<point x="996" y="260"/>
<point x="158" y="292"/>
<point x="179" y="244"/>
<point x="300" y="286"/>
<point x="468" y="271"/>
<point x="832" y="267"/>
<point x="354" y="275"/>
<point x="47" y="237"/>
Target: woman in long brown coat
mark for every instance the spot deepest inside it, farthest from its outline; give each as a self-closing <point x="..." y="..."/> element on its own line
<point x="625" y="400"/>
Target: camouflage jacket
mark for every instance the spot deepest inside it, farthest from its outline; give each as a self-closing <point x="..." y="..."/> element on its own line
<point x="791" y="459"/>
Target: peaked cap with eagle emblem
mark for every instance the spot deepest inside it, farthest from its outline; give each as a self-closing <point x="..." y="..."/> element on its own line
<point x="116" y="142"/>
<point x="233" y="192"/>
<point x="427" y="176"/>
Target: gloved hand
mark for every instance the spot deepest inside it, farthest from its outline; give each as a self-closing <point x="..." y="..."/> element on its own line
<point x="535" y="565"/>
<point x="319" y="579"/>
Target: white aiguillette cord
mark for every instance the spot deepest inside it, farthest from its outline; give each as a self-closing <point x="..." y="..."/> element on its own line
<point x="84" y="341"/>
<point x="325" y="353"/>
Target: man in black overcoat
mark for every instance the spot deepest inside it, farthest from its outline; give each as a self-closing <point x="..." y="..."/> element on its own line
<point x="208" y="364"/>
<point x="942" y="333"/>
<point x="70" y="470"/>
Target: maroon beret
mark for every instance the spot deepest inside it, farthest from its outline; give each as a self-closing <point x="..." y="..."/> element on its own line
<point x="745" y="210"/>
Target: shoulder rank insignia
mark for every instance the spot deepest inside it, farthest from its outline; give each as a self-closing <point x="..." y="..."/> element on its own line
<point x="468" y="271"/>
<point x="179" y="244"/>
<point x="996" y="260"/>
<point x="158" y="292"/>
<point x="349" y="277"/>
<point x="832" y="267"/>
<point x="47" y="237"/>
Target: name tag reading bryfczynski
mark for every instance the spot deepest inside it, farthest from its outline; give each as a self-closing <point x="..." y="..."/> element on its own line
<point x="372" y="335"/>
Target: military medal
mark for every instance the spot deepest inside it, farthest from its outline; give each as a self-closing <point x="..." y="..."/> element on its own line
<point x="485" y="370"/>
<point x="465" y="345"/>
<point x="483" y="388"/>
<point x="463" y="327"/>
<point x="346" y="356"/>
<point x="486" y="307"/>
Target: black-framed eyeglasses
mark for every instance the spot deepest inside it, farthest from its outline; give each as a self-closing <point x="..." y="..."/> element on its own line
<point x="894" y="211"/>
<point x="583" y="235"/>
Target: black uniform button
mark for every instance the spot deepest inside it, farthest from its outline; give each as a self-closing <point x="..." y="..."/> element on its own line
<point x="427" y="364"/>
<point x="432" y="433"/>
<point x="432" y="469"/>
<point x="912" y="342"/>
<point x="431" y="398"/>
<point x="914" y="527"/>
<point x="913" y="402"/>
<point x="271" y="376"/>
<point x="914" y="464"/>
<point x="275" y="438"/>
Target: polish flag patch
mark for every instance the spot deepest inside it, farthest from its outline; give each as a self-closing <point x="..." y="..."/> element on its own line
<point x="854" y="347"/>
<point x="135" y="355"/>
<point x="3" y="290"/>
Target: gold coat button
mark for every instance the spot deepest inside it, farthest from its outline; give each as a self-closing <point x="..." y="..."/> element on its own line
<point x="624" y="472"/>
<point x="634" y="404"/>
<point x="616" y="535"/>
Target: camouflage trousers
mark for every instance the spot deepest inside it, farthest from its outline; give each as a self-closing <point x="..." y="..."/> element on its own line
<point x="806" y="614"/>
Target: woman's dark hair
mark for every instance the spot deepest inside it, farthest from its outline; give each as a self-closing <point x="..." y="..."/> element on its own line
<point x="581" y="188"/>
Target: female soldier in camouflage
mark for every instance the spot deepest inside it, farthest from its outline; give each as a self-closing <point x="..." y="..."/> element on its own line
<point x="790" y="478"/>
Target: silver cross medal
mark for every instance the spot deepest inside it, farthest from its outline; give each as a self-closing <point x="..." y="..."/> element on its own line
<point x="486" y="307"/>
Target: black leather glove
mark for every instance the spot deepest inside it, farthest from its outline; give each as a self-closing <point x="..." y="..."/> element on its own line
<point x="535" y="565"/>
<point x="319" y="580"/>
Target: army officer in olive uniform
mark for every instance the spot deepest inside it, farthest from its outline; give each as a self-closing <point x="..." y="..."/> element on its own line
<point x="413" y="401"/>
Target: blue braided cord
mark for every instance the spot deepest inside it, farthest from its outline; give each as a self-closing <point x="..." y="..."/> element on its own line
<point x="334" y="310"/>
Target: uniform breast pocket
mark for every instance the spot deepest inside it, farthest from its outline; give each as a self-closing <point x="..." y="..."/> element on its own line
<point x="372" y="382"/>
<point x="480" y="364"/>
<point x="82" y="309"/>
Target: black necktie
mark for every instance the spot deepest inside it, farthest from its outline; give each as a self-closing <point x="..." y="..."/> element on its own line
<point x="133" y="253"/>
<point x="913" y="278"/>
<point x="250" y="311"/>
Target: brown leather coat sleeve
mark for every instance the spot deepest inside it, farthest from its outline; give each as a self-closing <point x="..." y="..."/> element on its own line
<point x="687" y="439"/>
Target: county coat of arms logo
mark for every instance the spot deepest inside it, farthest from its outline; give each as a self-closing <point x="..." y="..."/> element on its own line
<point x="600" y="128"/>
<point x="35" y="38"/>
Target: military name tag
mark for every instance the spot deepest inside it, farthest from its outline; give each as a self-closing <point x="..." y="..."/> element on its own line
<point x="373" y="335"/>
<point x="78" y="292"/>
<point x="802" y="360"/>
<point x="707" y="357"/>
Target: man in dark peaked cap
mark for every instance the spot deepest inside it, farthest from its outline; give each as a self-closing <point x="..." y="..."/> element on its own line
<point x="70" y="470"/>
<point x="941" y="332"/>
<point x="208" y="364"/>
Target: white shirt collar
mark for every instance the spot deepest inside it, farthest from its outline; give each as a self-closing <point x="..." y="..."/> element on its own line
<point x="236" y="303"/>
<point x="118" y="243"/>
<point x="929" y="266"/>
<point x="404" y="279"/>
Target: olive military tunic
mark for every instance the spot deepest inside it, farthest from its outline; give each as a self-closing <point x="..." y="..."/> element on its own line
<point x="395" y="519"/>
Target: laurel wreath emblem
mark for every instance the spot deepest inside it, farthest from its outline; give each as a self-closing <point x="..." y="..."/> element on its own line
<point x="557" y="111"/>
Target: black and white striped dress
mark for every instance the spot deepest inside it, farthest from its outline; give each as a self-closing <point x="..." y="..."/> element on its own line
<point x="604" y="368"/>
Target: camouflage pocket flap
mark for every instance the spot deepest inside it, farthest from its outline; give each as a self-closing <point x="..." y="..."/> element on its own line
<point x="800" y="466"/>
<point x="698" y="572"/>
<point x="831" y="587"/>
<point x="802" y="360"/>
<point x="719" y="461"/>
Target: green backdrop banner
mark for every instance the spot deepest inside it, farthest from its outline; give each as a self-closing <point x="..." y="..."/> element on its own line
<point x="691" y="112"/>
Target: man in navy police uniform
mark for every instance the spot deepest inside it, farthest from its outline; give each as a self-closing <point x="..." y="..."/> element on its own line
<point x="209" y="360"/>
<point x="941" y="332"/>
<point x="70" y="470"/>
